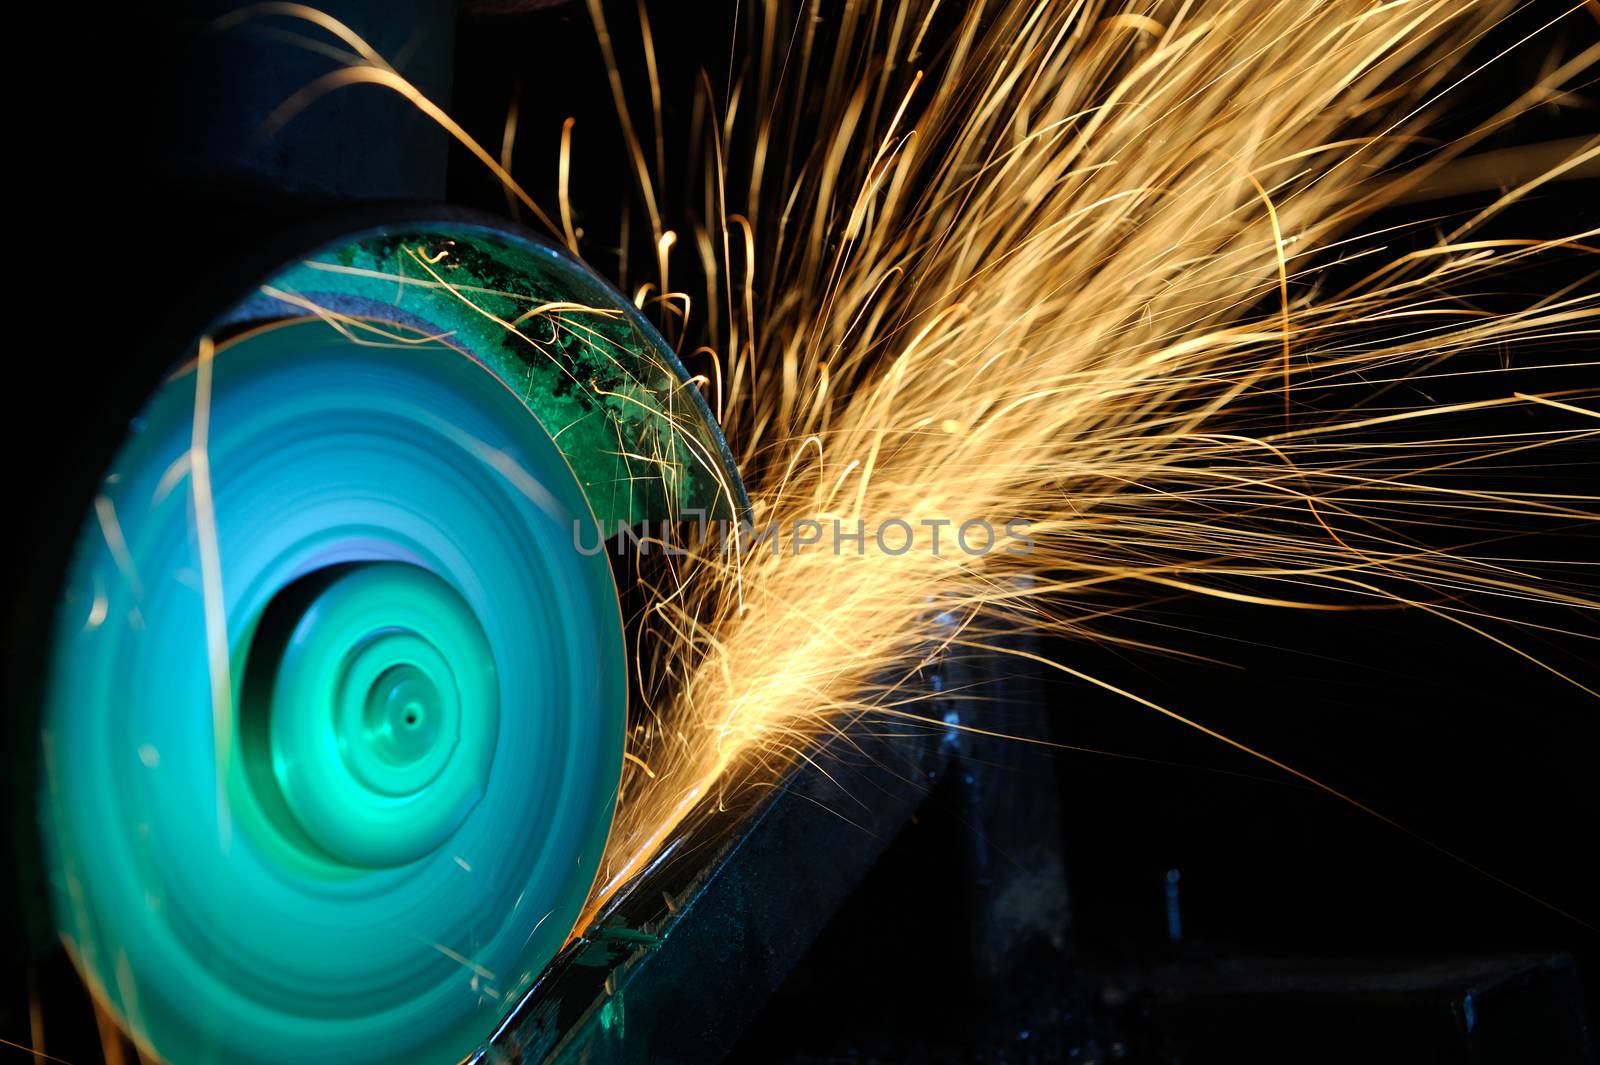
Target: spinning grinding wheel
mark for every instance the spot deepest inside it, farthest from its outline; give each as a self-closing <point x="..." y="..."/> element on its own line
<point x="335" y="706"/>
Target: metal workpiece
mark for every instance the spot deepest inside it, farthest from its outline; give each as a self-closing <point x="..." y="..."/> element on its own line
<point x="676" y="968"/>
<point x="687" y="956"/>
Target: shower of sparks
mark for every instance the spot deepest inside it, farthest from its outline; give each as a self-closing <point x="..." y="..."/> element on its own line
<point x="1076" y="265"/>
<point x="1108" y="269"/>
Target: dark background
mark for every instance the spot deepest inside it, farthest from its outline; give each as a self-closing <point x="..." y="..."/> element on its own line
<point x="1466" y="745"/>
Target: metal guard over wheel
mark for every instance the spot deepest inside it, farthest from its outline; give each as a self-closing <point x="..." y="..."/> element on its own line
<point x="335" y="709"/>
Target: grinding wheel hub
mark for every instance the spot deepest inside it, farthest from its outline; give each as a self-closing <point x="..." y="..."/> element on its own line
<point x="335" y="708"/>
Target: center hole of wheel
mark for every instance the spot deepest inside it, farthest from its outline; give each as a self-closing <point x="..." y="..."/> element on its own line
<point x="372" y="710"/>
<point x="403" y="714"/>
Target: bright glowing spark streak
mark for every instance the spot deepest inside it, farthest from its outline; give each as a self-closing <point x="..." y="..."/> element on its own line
<point x="216" y="620"/>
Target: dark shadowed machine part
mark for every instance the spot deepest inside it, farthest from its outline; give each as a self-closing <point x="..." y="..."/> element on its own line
<point x="239" y="66"/>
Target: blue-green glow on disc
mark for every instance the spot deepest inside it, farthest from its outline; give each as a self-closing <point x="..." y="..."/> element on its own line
<point x="368" y="849"/>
